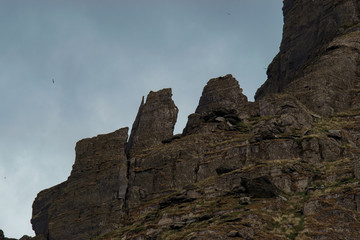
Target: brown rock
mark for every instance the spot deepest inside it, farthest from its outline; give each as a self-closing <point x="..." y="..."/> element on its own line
<point x="40" y="215"/>
<point x="222" y="101"/>
<point x="25" y="238"/>
<point x="2" y="236"/>
<point x="154" y="122"/>
<point x="356" y="165"/>
<point x="287" y="116"/>
<point x="223" y="93"/>
<point x="318" y="54"/>
<point x="227" y="174"/>
<point x="91" y="201"/>
<point x="233" y="234"/>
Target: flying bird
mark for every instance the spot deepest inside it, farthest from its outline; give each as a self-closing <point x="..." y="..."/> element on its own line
<point x="228" y="13"/>
<point x="53" y="81"/>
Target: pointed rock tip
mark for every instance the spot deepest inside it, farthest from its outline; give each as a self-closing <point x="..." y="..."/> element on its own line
<point x="154" y="122"/>
<point x="221" y="93"/>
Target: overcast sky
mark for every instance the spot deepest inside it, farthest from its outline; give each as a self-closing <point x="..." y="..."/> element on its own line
<point x="104" y="56"/>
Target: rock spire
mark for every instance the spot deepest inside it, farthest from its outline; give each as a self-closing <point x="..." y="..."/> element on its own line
<point x="239" y="165"/>
<point x="154" y="122"/>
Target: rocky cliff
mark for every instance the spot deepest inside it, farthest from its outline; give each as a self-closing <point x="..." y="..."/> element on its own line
<point x="319" y="55"/>
<point x="286" y="166"/>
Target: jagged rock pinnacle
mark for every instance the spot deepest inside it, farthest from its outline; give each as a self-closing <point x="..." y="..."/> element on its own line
<point x="223" y="93"/>
<point x="154" y="122"/>
<point x="221" y="97"/>
<point x="238" y="166"/>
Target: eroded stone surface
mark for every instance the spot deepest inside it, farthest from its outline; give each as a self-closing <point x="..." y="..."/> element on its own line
<point x="222" y="102"/>
<point x="154" y="122"/>
<point x="285" y="166"/>
<point x="92" y="200"/>
<point x="223" y="93"/>
<point x="318" y="58"/>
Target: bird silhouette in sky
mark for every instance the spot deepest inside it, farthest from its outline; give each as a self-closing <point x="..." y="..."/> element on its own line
<point x="228" y="13"/>
<point x="53" y="81"/>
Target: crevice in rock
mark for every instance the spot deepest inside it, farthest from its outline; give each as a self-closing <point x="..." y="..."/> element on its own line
<point x="126" y="200"/>
<point x="134" y="128"/>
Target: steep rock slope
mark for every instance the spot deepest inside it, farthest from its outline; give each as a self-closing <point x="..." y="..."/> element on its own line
<point x="286" y="166"/>
<point x="154" y="122"/>
<point x="319" y="55"/>
<point x="92" y="197"/>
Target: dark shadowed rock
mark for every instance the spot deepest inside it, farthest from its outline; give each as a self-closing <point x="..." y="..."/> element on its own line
<point x="285" y="166"/>
<point x="43" y="201"/>
<point x="25" y="237"/>
<point x="356" y="166"/>
<point x="222" y="101"/>
<point x="154" y="122"/>
<point x="283" y="115"/>
<point x="318" y="58"/>
<point x="222" y="94"/>
<point x="2" y="236"/>
<point x="92" y="200"/>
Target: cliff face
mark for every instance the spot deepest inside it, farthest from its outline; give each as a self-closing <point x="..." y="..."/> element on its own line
<point x="92" y="197"/>
<point x="154" y="122"/>
<point x="286" y="166"/>
<point x="319" y="55"/>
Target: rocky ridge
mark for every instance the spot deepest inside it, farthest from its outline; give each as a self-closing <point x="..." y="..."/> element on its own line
<point x="286" y="166"/>
<point x="319" y="55"/>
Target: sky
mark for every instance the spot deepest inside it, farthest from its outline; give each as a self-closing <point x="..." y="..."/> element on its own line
<point x="104" y="56"/>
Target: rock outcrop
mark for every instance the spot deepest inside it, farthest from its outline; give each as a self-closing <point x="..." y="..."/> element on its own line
<point x="222" y="100"/>
<point x="319" y="55"/>
<point x="154" y="122"/>
<point x="222" y="94"/>
<point x="2" y="237"/>
<point x="92" y="200"/>
<point x="286" y="166"/>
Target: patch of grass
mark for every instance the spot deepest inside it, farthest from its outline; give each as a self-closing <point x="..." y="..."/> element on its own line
<point x="345" y="181"/>
<point x="297" y="228"/>
<point x="238" y="140"/>
<point x="139" y="228"/>
<point x="273" y="225"/>
<point x="243" y="127"/>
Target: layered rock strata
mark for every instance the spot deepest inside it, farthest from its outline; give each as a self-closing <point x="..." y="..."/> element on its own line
<point x="222" y="100"/>
<point x="319" y="55"/>
<point x="154" y="122"/>
<point x="286" y="166"/>
<point x="91" y="201"/>
<point x="270" y="151"/>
